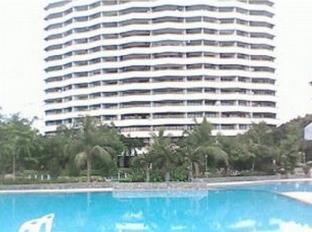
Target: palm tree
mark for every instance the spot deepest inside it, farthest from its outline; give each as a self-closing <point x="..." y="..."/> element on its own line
<point x="90" y="145"/>
<point x="143" y="161"/>
<point x="162" y="153"/>
<point x="199" y="147"/>
<point x="199" y="155"/>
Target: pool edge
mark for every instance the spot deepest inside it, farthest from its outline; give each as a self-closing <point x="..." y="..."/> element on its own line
<point x="141" y="186"/>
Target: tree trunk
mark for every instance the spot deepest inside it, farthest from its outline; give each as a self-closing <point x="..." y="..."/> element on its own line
<point x="121" y="163"/>
<point x="253" y="165"/>
<point x="148" y="176"/>
<point x="88" y="170"/>
<point x="14" y="167"/>
<point x="196" y="168"/>
<point x="190" y="173"/>
<point x="167" y="176"/>
<point x="226" y="168"/>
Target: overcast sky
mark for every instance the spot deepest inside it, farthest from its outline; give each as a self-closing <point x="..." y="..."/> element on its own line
<point x="21" y="55"/>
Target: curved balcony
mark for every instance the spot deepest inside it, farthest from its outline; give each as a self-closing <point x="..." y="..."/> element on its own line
<point x="149" y="4"/>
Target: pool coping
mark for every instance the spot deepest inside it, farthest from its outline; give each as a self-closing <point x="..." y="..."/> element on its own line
<point x="78" y="190"/>
<point x="133" y="187"/>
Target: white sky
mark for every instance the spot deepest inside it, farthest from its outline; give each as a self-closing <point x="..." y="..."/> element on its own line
<point x="21" y="55"/>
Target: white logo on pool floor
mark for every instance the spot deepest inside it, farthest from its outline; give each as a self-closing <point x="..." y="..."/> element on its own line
<point x="38" y="224"/>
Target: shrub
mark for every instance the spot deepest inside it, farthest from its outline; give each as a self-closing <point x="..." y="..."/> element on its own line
<point x="179" y="174"/>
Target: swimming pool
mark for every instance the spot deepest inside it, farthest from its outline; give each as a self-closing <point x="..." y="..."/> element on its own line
<point x="232" y="210"/>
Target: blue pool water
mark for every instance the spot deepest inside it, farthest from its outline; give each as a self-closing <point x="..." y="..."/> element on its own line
<point x="237" y="210"/>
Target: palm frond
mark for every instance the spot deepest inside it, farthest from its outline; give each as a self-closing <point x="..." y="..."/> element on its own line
<point x="81" y="159"/>
<point x="101" y="153"/>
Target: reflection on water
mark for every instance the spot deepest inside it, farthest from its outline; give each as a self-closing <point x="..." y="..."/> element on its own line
<point x="277" y="225"/>
<point x="131" y="227"/>
<point x="244" y="224"/>
<point x="215" y="211"/>
<point x="290" y="226"/>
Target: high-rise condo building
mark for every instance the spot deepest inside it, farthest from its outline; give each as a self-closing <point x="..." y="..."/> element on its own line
<point x="151" y="64"/>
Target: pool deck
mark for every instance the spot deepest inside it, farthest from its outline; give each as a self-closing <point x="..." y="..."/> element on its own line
<point x="203" y="184"/>
<point x="305" y="197"/>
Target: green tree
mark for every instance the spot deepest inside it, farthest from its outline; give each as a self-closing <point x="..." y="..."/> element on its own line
<point x="5" y="159"/>
<point x="92" y="143"/>
<point x="131" y="145"/>
<point x="111" y="139"/>
<point x="56" y="155"/>
<point x="162" y="154"/>
<point x="259" y="144"/>
<point x="199" y="147"/>
<point x="142" y="162"/>
<point x="18" y="141"/>
<point x="290" y="149"/>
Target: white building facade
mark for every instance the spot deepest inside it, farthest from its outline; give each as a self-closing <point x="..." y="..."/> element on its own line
<point x="151" y="64"/>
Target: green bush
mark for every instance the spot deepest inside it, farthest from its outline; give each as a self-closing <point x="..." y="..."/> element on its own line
<point x="20" y="180"/>
<point x="157" y="176"/>
<point x="179" y="174"/>
<point x="136" y="175"/>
